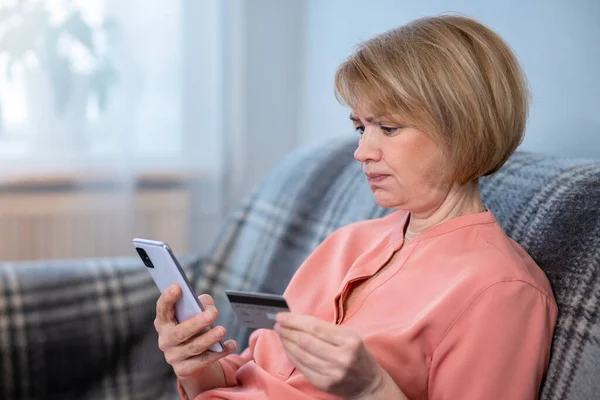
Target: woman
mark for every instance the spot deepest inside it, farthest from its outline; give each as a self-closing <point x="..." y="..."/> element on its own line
<point x="434" y="300"/>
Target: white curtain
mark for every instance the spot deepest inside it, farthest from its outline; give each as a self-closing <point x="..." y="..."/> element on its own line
<point x="110" y="126"/>
<point x="167" y="114"/>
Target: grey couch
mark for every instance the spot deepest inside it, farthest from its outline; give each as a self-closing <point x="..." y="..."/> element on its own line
<point x="83" y="328"/>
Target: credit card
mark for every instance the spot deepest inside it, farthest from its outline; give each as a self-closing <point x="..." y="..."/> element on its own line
<point x="256" y="310"/>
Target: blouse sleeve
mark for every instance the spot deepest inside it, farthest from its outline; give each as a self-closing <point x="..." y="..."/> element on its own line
<point x="233" y="362"/>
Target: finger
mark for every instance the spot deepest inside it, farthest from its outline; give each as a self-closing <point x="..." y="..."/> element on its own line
<point x="201" y="343"/>
<point x="195" y="346"/>
<point x="306" y="363"/>
<point x="324" y="330"/>
<point x="165" y="306"/>
<point x="229" y="346"/>
<point x="191" y="327"/>
<point x="206" y="300"/>
<point x="318" y="374"/>
<point x="192" y="364"/>
<point x="308" y="342"/>
<point x="208" y="304"/>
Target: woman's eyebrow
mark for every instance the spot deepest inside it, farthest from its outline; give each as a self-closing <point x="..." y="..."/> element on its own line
<point x="368" y="119"/>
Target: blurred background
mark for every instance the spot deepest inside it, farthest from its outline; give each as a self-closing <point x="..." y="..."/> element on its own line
<point x="154" y="118"/>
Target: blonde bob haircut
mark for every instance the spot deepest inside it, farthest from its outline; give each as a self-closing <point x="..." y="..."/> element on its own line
<point x="449" y="76"/>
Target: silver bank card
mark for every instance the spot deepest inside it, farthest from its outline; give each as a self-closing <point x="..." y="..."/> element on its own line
<point x="256" y="310"/>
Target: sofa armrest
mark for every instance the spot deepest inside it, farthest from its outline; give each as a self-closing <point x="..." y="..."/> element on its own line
<point x="81" y="328"/>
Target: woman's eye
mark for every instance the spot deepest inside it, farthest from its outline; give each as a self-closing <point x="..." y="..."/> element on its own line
<point x="389" y="130"/>
<point x="359" y="129"/>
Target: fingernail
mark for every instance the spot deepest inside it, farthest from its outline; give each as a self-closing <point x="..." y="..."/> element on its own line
<point x="206" y="317"/>
<point x="212" y="310"/>
<point x="173" y="289"/>
<point x="220" y="331"/>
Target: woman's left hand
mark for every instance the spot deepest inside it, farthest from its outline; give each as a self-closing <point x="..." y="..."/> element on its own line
<point x="332" y="357"/>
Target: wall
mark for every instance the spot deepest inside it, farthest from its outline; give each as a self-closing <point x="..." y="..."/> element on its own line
<point x="263" y="70"/>
<point x="556" y="41"/>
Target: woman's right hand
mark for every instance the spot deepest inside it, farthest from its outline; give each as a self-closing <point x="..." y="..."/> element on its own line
<point x="184" y="346"/>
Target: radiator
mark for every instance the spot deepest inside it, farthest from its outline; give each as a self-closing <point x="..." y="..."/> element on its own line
<point x="69" y="223"/>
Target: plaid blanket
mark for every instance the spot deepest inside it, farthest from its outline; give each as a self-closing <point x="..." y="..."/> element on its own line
<point x="83" y="329"/>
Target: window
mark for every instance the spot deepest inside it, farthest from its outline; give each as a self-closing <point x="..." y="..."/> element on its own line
<point x="90" y="80"/>
<point x="94" y="98"/>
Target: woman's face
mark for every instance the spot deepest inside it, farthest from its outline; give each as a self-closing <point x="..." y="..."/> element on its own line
<point x="403" y="165"/>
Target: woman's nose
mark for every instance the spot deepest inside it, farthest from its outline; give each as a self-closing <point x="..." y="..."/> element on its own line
<point x="368" y="148"/>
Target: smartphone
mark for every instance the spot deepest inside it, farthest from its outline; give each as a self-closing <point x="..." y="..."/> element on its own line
<point x="165" y="270"/>
<point x="256" y="310"/>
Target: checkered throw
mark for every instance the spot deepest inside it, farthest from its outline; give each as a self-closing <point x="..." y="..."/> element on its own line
<point x="84" y="329"/>
<point x="81" y="330"/>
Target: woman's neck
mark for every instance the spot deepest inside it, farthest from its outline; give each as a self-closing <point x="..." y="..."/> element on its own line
<point x="461" y="200"/>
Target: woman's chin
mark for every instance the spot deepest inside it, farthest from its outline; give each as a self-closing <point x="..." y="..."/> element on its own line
<point x="385" y="200"/>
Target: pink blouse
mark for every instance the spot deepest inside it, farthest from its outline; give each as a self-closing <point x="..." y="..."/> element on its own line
<point x="462" y="312"/>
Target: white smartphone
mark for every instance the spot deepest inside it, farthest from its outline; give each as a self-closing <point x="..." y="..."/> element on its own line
<point x="165" y="270"/>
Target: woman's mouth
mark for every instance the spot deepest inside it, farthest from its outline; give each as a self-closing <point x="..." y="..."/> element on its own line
<point x="373" y="178"/>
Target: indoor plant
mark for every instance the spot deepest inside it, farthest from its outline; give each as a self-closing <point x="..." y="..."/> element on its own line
<point x="67" y="63"/>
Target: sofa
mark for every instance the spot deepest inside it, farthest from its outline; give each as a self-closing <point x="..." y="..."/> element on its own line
<point x="83" y="329"/>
